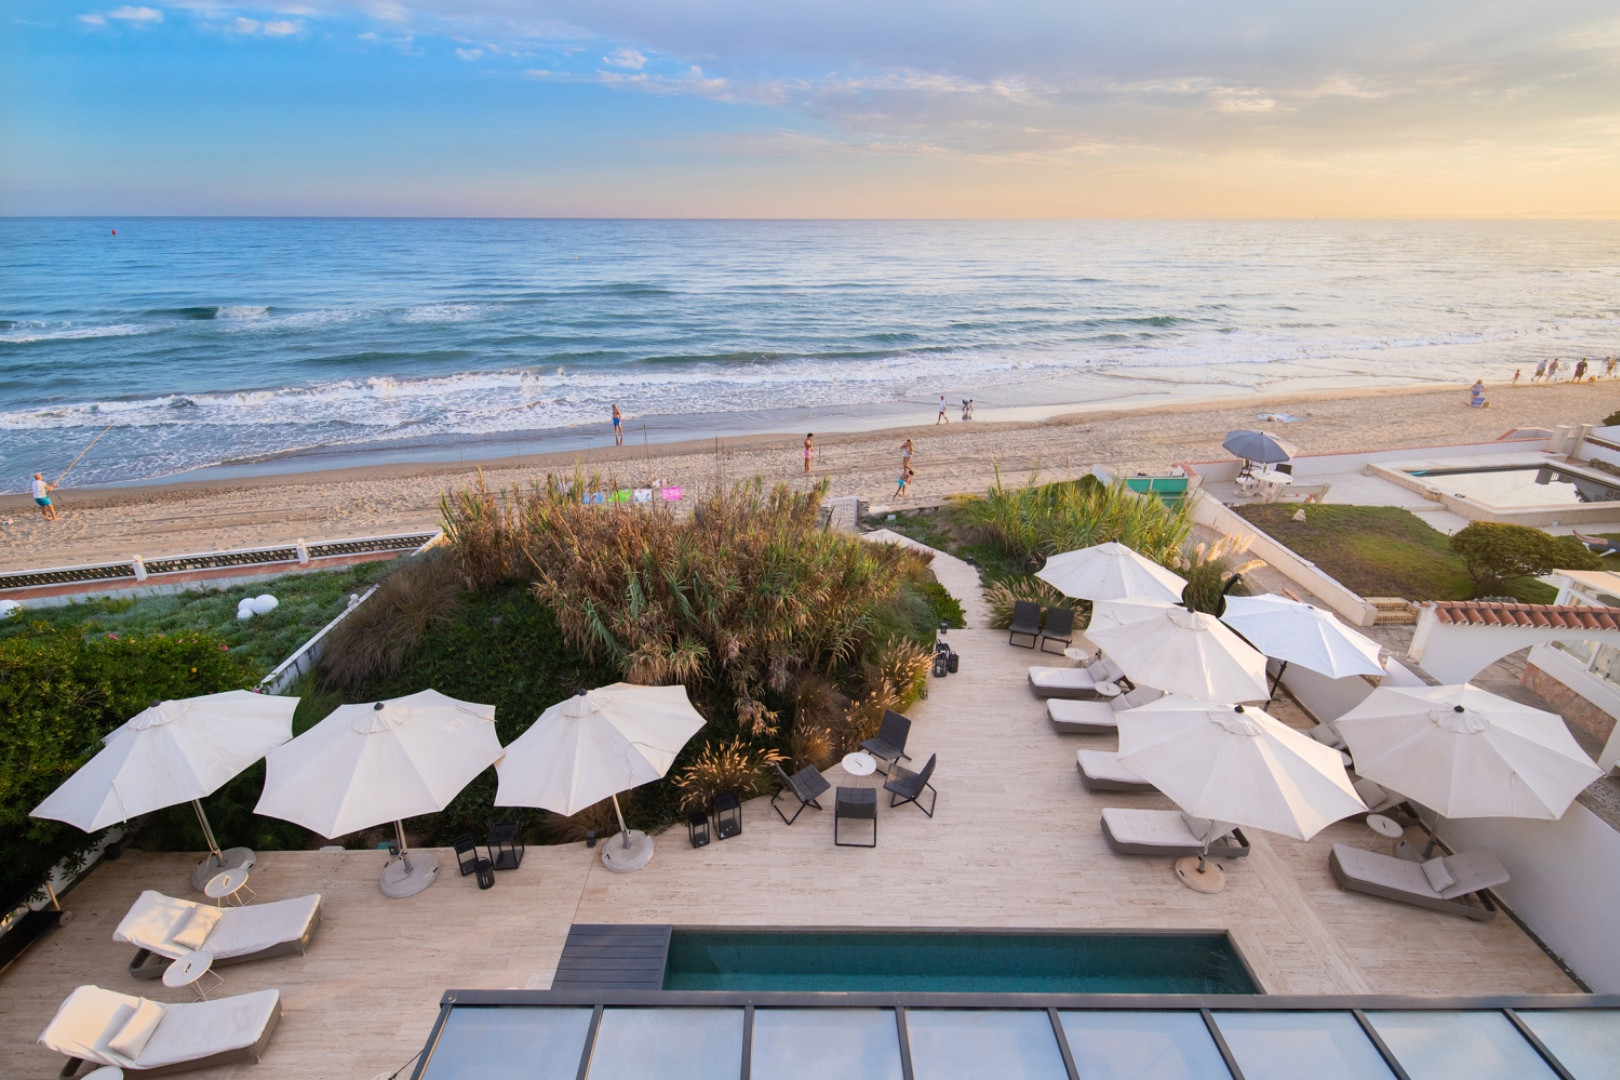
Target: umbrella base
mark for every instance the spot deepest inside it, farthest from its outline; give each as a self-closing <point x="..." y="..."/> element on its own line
<point x="408" y="876"/>
<point x="1211" y="879"/>
<point x="624" y="860"/>
<point x="212" y="867"/>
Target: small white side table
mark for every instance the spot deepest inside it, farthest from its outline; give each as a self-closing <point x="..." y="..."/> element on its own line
<point x="1385" y="826"/>
<point x="229" y="883"/>
<point x="189" y="969"/>
<point x="106" y="1072"/>
<point x="860" y="763"/>
<point x="1108" y="689"/>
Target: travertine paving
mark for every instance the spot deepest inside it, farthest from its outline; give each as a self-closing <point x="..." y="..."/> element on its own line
<point x="1015" y="843"/>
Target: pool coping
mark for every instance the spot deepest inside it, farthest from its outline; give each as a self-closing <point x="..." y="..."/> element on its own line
<point x="1400" y="473"/>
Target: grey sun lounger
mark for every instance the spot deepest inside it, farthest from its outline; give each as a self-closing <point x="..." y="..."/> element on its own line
<point x="1064" y="682"/>
<point x="166" y="928"/>
<point x="1100" y="770"/>
<point x="1071" y="717"/>
<point x="1166" y="832"/>
<point x="150" y="1038"/>
<point x="1454" y="884"/>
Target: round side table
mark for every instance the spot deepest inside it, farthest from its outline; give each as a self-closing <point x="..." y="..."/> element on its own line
<point x="229" y="883"/>
<point x="860" y="763"/>
<point x="189" y="969"/>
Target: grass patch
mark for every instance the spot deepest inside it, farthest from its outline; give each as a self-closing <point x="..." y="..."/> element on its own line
<point x="307" y="602"/>
<point x="1380" y="551"/>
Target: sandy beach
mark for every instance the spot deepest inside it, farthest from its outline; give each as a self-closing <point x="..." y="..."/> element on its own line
<point x="187" y="517"/>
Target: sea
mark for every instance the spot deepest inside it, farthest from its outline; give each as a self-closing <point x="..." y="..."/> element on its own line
<point x="226" y="346"/>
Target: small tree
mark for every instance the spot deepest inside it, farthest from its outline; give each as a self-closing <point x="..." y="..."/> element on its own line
<point x="1496" y="553"/>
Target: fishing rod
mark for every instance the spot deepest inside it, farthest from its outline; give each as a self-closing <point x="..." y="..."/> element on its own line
<point x="83" y="452"/>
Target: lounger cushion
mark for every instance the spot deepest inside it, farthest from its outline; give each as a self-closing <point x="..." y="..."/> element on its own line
<point x="1473" y="871"/>
<point x="1104" y="765"/>
<point x="155" y="919"/>
<point x="194" y="929"/>
<point x="1165" y="830"/>
<point x="1440" y="878"/>
<point x="1057" y="681"/>
<point x="1082" y="717"/>
<point x="137" y="1030"/>
<point x="186" y="1032"/>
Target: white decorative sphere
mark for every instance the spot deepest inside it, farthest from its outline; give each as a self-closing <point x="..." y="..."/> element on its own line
<point x="244" y="613"/>
<point x="264" y="605"/>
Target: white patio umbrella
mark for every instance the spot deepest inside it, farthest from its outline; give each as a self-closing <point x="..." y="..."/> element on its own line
<point x="1464" y="752"/>
<point x="174" y="752"/>
<point x="593" y="746"/>
<point x="1234" y="766"/>
<point x="1170" y="648"/>
<point x="1297" y="633"/>
<point x="1110" y="571"/>
<point x="366" y="765"/>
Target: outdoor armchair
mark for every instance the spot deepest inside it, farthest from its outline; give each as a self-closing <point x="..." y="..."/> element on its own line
<point x="1059" y="628"/>
<point x="807" y="785"/>
<point x="890" y="743"/>
<point x="1026" y="622"/>
<point x="854" y="804"/>
<point x="905" y="786"/>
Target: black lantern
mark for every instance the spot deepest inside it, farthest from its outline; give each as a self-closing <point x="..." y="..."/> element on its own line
<point x="505" y="849"/>
<point x="697" y="827"/>
<point x="727" y="814"/>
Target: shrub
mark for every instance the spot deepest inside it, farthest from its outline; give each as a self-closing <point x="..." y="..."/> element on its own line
<point x="59" y="694"/>
<point x="1033" y="522"/>
<point x="418" y="596"/>
<point x="1612" y="419"/>
<point x="1496" y="553"/>
<point x="1207" y="567"/>
<point x="1002" y="595"/>
<point x="947" y="608"/>
<point x="726" y="766"/>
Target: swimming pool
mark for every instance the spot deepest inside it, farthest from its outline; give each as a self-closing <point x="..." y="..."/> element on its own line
<point x="948" y="962"/>
<point x="1521" y="485"/>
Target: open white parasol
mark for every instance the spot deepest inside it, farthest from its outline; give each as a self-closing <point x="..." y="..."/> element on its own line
<point x="1170" y="648"/>
<point x="1110" y="571"/>
<point x="1297" y="633"/>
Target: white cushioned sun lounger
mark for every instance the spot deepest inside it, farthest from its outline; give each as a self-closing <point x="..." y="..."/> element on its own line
<point x="1062" y="682"/>
<point x="1377" y="798"/>
<point x="149" y="1038"/>
<point x="1445" y="884"/>
<point x="164" y="927"/>
<point x="1071" y="717"/>
<point x="1166" y="832"/>
<point x="1100" y="770"/>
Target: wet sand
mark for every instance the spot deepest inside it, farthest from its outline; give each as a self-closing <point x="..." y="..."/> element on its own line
<point x="182" y="517"/>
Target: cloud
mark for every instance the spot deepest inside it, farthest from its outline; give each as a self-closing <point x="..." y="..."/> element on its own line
<point x="246" y="26"/>
<point x="469" y="54"/>
<point x="93" y="20"/>
<point x="625" y="57"/>
<point x="136" y="14"/>
<point x="283" y="27"/>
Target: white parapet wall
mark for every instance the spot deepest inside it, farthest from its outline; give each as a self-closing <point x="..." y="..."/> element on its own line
<point x="1353" y="609"/>
<point x="1566" y="874"/>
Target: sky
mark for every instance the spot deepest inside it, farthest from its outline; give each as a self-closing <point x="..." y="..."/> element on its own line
<point x="813" y="108"/>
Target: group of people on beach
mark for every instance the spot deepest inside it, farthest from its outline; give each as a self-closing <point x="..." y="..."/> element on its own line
<point x="1585" y="370"/>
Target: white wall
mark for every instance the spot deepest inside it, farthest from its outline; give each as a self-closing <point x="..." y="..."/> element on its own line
<point x="1566" y="875"/>
<point x="1322" y="697"/>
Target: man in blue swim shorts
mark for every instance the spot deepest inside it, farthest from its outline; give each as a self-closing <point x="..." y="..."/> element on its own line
<point x="41" y="491"/>
<point x="618" y="427"/>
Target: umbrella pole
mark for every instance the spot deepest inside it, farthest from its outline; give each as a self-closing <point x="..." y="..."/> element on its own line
<point x="1276" y="683"/>
<point x="623" y="828"/>
<point x="399" y="835"/>
<point x="208" y="833"/>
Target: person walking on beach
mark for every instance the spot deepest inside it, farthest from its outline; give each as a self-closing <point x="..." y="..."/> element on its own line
<point x="1552" y="369"/>
<point x="1516" y="373"/>
<point x="943" y="418"/>
<point x="1580" y="369"/>
<point x="1541" y="369"/>
<point x="1608" y="368"/>
<point x="967" y="408"/>
<point x="41" y="490"/>
<point x="809" y="448"/>
<point x="901" y="489"/>
<point x="618" y="426"/>
<point x="906" y="450"/>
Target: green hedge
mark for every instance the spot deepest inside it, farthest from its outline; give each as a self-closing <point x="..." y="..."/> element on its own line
<point x="59" y="694"/>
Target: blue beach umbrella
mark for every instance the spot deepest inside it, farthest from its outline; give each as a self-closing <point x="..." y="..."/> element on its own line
<point x="1258" y="446"/>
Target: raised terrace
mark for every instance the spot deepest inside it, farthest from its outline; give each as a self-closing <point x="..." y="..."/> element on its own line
<point x="1015" y="843"/>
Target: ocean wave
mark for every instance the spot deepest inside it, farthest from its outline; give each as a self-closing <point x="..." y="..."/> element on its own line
<point x="24" y="333"/>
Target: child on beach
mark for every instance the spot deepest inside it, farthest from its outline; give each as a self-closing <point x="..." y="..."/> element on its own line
<point x="618" y="426"/>
<point x="967" y="408"/>
<point x="1515" y="381"/>
<point x="1608" y="368"/>
<point x="1580" y="369"/>
<point x="41" y="490"/>
<point x="809" y="448"/>
<point x="943" y="419"/>
<point x="901" y="489"/>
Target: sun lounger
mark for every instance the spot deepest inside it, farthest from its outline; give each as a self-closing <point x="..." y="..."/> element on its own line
<point x="167" y="928"/>
<point x="1071" y="717"/>
<point x="1100" y="770"/>
<point x="1378" y="800"/>
<point x="1064" y="682"/>
<point x="1166" y="832"/>
<point x="1599" y="545"/>
<point x="149" y="1038"/>
<point x="1454" y="884"/>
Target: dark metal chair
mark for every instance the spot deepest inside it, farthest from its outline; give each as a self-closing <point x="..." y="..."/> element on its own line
<point x="1026" y="622"/>
<point x="1059" y="628"/>
<point x="807" y="785"/>
<point x="505" y="849"/>
<point x="854" y="804"/>
<point x="890" y="743"/>
<point x="906" y="786"/>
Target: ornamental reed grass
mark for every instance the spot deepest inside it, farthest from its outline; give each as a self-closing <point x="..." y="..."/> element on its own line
<point x="1039" y="520"/>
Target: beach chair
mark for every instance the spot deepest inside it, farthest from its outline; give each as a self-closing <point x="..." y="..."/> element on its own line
<point x="161" y="926"/>
<point x="1597" y="544"/>
<point x="1059" y="628"/>
<point x="1168" y="832"/>
<point x="1100" y="770"/>
<point x="1026" y="622"/>
<point x="889" y="745"/>
<point x="1066" y="682"/>
<point x="670" y="494"/>
<point x="905" y="786"/>
<point x="807" y="785"/>
<point x="1071" y="717"/>
<point x="149" y="1038"/>
<point x="1454" y="884"/>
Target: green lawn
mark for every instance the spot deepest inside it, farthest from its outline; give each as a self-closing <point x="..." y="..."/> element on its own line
<point x="306" y="603"/>
<point x="1380" y="551"/>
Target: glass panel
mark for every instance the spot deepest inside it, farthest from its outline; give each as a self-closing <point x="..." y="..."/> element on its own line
<point x="668" y="1044"/>
<point x="510" y="1042"/>
<point x="1289" y="1045"/>
<point x="1585" y="1041"/>
<point x="1464" y="1045"/>
<point x="1606" y="663"/>
<point x="819" y="1044"/>
<point x="1142" y="1046"/>
<point x="965" y="1044"/>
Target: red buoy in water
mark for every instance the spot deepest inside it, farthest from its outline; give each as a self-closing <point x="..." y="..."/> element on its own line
<point x="115" y="232"/>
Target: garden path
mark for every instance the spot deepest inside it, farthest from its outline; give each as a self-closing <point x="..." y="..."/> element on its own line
<point x="961" y="579"/>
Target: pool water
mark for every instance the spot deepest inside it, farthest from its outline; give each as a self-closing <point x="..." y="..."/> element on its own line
<point x="1522" y="485"/>
<point x="941" y="962"/>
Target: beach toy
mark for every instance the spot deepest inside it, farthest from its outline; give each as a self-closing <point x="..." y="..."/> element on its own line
<point x="671" y="494"/>
<point x="643" y="495"/>
<point x="10" y="609"/>
<point x="620" y="496"/>
<point x="264" y="605"/>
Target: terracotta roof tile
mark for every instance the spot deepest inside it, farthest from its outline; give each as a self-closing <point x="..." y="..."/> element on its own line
<point x="1547" y="616"/>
